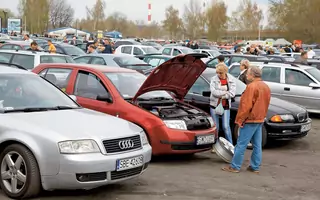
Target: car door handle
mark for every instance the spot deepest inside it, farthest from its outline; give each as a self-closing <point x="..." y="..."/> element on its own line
<point x="287" y="89"/>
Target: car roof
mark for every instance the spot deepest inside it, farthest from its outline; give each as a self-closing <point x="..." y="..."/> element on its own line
<point x="29" y="52"/>
<point x="135" y="45"/>
<point x="242" y="55"/>
<point x="155" y="55"/>
<point x="106" y="55"/>
<point x="101" y="68"/>
<point x="4" y="69"/>
<point x="17" y="42"/>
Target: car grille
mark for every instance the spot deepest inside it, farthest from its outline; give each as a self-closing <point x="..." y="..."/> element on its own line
<point x="302" y="117"/>
<point x="122" y="144"/>
<point x="126" y="173"/>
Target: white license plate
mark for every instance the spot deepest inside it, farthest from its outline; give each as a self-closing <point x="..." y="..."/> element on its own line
<point x="305" y="127"/>
<point x="205" y="139"/>
<point x="129" y="163"/>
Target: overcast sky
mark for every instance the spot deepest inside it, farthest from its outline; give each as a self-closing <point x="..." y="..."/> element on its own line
<point x="134" y="9"/>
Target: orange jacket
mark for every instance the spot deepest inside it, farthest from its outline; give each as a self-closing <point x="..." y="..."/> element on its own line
<point x="254" y="103"/>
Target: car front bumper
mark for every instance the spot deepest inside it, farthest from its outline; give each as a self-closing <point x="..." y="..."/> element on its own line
<point x="286" y="131"/>
<point x="100" y="168"/>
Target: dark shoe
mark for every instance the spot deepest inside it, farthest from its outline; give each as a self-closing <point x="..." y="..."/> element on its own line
<point x="252" y="170"/>
<point x="230" y="169"/>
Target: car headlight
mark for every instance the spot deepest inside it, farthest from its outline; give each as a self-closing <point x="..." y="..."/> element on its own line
<point x="282" y="118"/>
<point x="144" y="138"/>
<point x="211" y="121"/>
<point x="175" y="124"/>
<point x="78" y="147"/>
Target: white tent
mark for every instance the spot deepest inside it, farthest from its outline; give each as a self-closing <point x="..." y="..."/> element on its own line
<point x="68" y="31"/>
<point x="270" y="40"/>
<point x="281" y="41"/>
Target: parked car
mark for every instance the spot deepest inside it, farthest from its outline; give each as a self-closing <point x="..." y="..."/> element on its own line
<point x="30" y="59"/>
<point x="152" y="44"/>
<point x="135" y="50"/>
<point x="114" y="60"/>
<point x="154" y="59"/>
<point x="210" y="53"/>
<point x="82" y="46"/>
<point x="172" y="126"/>
<point x="284" y="121"/>
<point x="125" y="42"/>
<point x="292" y="82"/>
<point x="67" y="49"/>
<point x="280" y="58"/>
<point x="236" y="58"/>
<point x="293" y="55"/>
<point x="47" y="142"/>
<point x="175" y="50"/>
<point x="17" y="45"/>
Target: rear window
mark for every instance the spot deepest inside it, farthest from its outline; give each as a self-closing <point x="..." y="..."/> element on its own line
<point x="56" y="59"/>
<point x="26" y="61"/>
<point x="5" y="57"/>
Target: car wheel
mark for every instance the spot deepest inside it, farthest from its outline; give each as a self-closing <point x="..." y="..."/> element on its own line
<point x="20" y="177"/>
<point x="236" y="133"/>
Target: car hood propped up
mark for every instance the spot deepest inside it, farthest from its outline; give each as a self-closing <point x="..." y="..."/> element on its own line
<point x="177" y="75"/>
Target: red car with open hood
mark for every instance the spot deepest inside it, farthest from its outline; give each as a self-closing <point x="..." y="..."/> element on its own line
<point x="154" y="103"/>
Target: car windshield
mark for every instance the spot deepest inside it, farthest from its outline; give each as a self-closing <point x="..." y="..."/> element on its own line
<point x="149" y="50"/>
<point x="74" y="51"/>
<point x="187" y="50"/>
<point x="314" y="72"/>
<point x="214" y="53"/>
<point x="128" y="85"/>
<point x="21" y="91"/>
<point x="56" y="59"/>
<point x="240" y="86"/>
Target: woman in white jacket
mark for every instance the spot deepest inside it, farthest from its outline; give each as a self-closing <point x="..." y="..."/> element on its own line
<point x="223" y="89"/>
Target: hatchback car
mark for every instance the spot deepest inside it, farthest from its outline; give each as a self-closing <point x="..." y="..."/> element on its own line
<point x="296" y="83"/>
<point x="17" y="45"/>
<point x="135" y="50"/>
<point x="172" y="126"/>
<point x="284" y="121"/>
<point x="66" y="49"/>
<point x="48" y="141"/>
<point x="175" y="50"/>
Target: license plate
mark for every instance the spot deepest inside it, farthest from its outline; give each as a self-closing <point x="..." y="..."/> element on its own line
<point x="305" y="127"/>
<point x="129" y="163"/>
<point x="205" y="139"/>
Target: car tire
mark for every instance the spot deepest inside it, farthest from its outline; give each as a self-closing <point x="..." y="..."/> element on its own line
<point x="26" y="174"/>
<point x="264" y="136"/>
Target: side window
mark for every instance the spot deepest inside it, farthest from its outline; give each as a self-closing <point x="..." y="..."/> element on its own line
<point x="5" y="57"/>
<point x="126" y="49"/>
<point x="137" y="51"/>
<point x="154" y="62"/>
<point x="8" y="46"/>
<point x="17" y="47"/>
<point x="59" y="50"/>
<point x="199" y="86"/>
<point x="213" y="63"/>
<point x="295" y="77"/>
<point x="52" y="59"/>
<point x="98" y="61"/>
<point x="58" y="76"/>
<point x="167" y="51"/>
<point x="84" y="59"/>
<point x="176" y="52"/>
<point x="235" y="70"/>
<point x="26" y="61"/>
<point x="236" y="59"/>
<point x="271" y="74"/>
<point x="89" y="86"/>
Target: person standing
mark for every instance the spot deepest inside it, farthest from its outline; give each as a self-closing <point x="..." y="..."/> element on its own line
<point x="223" y="89"/>
<point x="311" y="53"/>
<point x="252" y="111"/>
<point x="244" y="64"/>
<point x="92" y="49"/>
<point x="27" y="38"/>
<point x="52" y="48"/>
<point x="107" y="47"/>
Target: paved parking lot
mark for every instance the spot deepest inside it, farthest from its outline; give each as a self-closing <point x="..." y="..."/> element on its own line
<point x="289" y="171"/>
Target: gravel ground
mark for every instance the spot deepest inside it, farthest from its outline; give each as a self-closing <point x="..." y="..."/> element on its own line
<point x="290" y="170"/>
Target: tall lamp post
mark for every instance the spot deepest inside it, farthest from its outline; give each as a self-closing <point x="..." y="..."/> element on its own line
<point x="5" y="19"/>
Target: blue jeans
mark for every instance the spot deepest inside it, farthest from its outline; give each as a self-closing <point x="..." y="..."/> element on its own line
<point x="249" y="132"/>
<point x="225" y="123"/>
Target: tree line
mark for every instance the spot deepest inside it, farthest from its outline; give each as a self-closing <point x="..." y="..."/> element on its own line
<point x="292" y="18"/>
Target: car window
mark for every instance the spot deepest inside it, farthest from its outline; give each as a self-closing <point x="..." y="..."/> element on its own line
<point x="5" y="57"/>
<point x="314" y="72"/>
<point x="126" y="49"/>
<point x="58" y="76"/>
<point x="199" y="86"/>
<point x="236" y="59"/>
<point x="26" y="61"/>
<point x="235" y="70"/>
<point x="149" y="50"/>
<point x="154" y="62"/>
<point x="161" y="61"/>
<point x="167" y="51"/>
<point x="84" y="59"/>
<point x="6" y="46"/>
<point x="98" y="61"/>
<point x="271" y="74"/>
<point x="89" y="86"/>
<point x="296" y="77"/>
<point x="212" y="63"/>
<point x="176" y="52"/>
<point x="137" y="51"/>
<point x="17" y="47"/>
<point x="54" y="59"/>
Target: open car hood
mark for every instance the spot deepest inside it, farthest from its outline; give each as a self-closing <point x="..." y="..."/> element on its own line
<point x="176" y="75"/>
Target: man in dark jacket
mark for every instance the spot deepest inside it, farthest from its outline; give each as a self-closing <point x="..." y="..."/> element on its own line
<point x="107" y="47"/>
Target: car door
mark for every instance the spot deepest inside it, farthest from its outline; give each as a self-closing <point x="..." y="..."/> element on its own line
<point x="297" y="90"/>
<point x="271" y="75"/>
<point x="83" y="59"/>
<point x="57" y="76"/>
<point x="195" y="95"/>
<point x="87" y="86"/>
<point x="98" y="61"/>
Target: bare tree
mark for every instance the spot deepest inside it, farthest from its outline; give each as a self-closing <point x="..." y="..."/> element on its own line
<point x="194" y="19"/>
<point x="60" y="13"/>
<point x="172" y="23"/>
<point x="216" y="16"/>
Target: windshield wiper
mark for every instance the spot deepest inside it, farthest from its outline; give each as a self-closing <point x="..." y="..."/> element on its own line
<point x="64" y="107"/>
<point x="160" y="98"/>
<point x="39" y="109"/>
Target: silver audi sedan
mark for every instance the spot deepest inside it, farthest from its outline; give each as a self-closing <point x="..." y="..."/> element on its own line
<point x="49" y="142"/>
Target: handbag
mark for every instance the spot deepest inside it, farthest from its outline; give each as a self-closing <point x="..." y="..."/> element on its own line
<point x="219" y="110"/>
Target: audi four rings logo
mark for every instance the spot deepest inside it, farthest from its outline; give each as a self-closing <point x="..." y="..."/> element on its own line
<point x="126" y="144"/>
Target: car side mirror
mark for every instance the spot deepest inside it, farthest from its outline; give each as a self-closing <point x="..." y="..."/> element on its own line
<point x="105" y="97"/>
<point x="73" y="97"/>
<point x="206" y="93"/>
<point x="314" y="85"/>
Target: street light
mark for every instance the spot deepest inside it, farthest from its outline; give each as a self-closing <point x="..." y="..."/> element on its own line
<point x="5" y="19"/>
